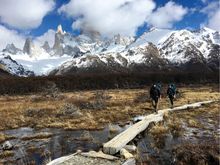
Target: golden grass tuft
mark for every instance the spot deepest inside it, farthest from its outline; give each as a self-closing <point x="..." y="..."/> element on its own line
<point x="6" y="154"/>
<point x="42" y="135"/>
<point x="2" y="137"/>
<point x="193" y="123"/>
<point x="174" y="124"/>
<point x="158" y="130"/>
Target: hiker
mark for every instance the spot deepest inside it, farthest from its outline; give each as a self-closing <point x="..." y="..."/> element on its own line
<point x="155" y="95"/>
<point x="171" y="93"/>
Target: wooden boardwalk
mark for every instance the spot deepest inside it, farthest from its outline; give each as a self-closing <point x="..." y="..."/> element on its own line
<point x="118" y="142"/>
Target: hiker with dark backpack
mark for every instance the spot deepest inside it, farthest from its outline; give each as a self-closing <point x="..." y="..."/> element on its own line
<point x="171" y="93"/>
<point x="155" y="95"/>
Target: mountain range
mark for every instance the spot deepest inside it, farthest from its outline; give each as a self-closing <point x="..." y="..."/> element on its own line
<point x="154" y="51"/>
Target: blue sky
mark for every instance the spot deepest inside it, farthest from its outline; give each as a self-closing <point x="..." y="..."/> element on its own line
<point x="192" y="20"/>
<point x="128" y="17"/>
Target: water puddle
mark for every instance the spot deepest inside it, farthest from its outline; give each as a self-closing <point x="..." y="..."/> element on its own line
<point x="153" y="151"/>
<point x="40" y="146"/>
<point x="37" y="147"/>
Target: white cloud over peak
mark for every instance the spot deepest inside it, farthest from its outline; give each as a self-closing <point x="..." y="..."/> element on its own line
<point x="10" y="36"/>
<point x="121" y="16"/>
<point x="24" y="14"/>
<point x="165" y="16"/>
<point x="48" y="36"/>
<point x="109" y="17"/>
<point x="212" y="10"/>
<point x="214" y="21"/>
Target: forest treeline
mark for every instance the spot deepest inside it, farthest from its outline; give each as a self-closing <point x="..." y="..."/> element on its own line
<point x="27" y="85"/>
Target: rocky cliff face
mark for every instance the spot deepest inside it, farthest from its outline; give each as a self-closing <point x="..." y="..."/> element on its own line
<point x="11" y="49"/>
<point x="28" y="46"/>
<point x="46" y="46"/>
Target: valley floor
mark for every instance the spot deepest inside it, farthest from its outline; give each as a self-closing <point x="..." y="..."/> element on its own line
<point x="51" y="124"/>
<point x="90" y="109"/>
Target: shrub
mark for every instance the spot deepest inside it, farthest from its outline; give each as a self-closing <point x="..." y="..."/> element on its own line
<point x="99" y="102"/>
<point x="34" y="113"/>
<point x="50" y="90"/>
<point x="70" y="110"/>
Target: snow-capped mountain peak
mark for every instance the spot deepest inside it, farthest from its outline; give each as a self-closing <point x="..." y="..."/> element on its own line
<point x="11" y="48"/>
<point x="60" y="29"/>
<point x="160" y="47"/>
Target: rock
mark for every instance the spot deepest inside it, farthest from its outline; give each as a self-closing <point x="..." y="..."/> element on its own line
<point x="114" y="128"/>
<point x="46" y="46"/>
<point x="130" y="162"/>
<point x="130" y="148"/>
<point x="125" y="154"/>
<point x="11" y="49"/>
<point x="7" y="146"/>
<point x="60" y="29"/>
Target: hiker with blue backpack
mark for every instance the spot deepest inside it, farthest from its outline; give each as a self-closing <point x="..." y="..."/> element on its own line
<point x="171" y="93"/>
<point x="155" y="95"/>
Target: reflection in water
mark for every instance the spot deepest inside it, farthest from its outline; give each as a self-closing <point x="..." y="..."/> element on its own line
<point x="62" y="142"/>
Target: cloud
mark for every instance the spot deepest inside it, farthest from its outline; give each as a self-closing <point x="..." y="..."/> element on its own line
<point x="10" y="36"/>
<point x="204" y="1"/>
<point x="48" y="36"/>
<point x="214" y="21"/>
<point x="166" y="16"/>
<point x="24" y="14"/>
<point x="212" y="10"/>
<point x="109" y="17"/>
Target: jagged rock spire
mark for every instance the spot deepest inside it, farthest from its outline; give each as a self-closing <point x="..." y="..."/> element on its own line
<point x="46" y="46"/>
<point x="27" y="46"/>
<point x="11" y="49"/>
<point x="60" y="29"/>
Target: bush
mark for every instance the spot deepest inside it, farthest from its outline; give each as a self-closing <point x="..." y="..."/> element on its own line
<point x="70" y="110"/>
<point x="50" y="90"/>
<point x="34" y="113"/>
<point x="99" y="102"/>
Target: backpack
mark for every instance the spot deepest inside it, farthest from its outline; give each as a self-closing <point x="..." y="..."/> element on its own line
<point x="155" y="91"/>
<point x="171" y="90"/>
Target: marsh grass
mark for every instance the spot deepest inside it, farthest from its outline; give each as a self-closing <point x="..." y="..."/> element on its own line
<point x="6" y="154"/>
<point x="42" y="135"/>
<point x="110" y="106"/>
<point x="2" y="137"/>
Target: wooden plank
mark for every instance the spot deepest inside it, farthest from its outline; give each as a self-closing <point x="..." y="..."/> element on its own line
<point x="62" y="159"/>
<point x="100" y="154"/>
<point x="119" y="141"/>
<point x="122" y="139"/>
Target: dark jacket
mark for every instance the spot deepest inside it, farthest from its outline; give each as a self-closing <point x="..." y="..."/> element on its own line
<point x="155" y="92"/>
<point x="171" y="91"/>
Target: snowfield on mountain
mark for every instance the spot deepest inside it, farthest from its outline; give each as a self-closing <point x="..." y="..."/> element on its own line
<point x="155" y="49"/>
